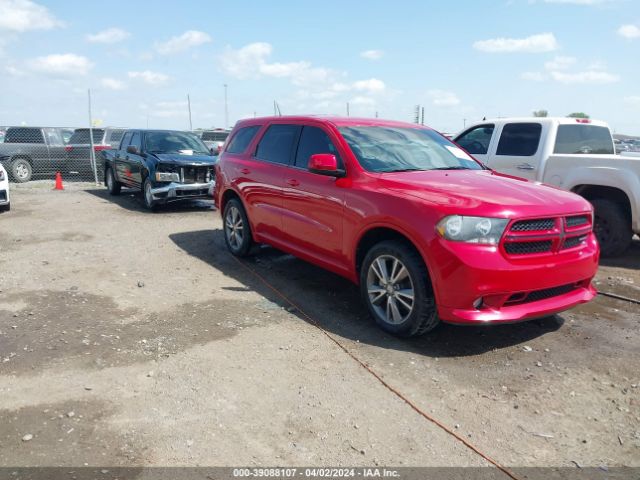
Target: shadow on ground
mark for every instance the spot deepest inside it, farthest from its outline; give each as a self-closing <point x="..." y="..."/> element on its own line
<point x="334" y="303"/>
<point x="131" y="200"/>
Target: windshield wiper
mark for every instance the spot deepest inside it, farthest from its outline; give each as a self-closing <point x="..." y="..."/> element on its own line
<point x="453" y="168"/>
<point x="403" y="170"/>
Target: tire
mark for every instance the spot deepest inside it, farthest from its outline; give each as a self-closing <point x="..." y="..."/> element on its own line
<point x="612" y="228"/>
<point x="149" y="202"/>
<point x="21" y="170"/>
<point x="5" y="208"/>
<point x="393" y="311"/>
<point x="113" y="185"/>
<point x="237" y="231"/>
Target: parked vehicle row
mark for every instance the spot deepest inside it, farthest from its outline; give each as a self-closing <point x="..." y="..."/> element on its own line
<point x="427" y="232"/>
<point x="570" y="153"/>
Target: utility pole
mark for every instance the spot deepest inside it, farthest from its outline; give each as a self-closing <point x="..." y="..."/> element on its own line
<point x="347" y="109"/>
<point x="189" y="106"/>
<point x="226" y="108"/>
<point x="92" y="152"/>
<point x="422" y="122"/>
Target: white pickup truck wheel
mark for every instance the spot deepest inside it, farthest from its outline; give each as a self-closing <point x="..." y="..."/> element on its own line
<point x="611" y="227"/>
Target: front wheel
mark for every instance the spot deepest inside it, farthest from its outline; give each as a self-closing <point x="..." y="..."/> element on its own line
<point x="237" y="231"/>
<point x="395" y="286"/>
<point x="113" y="185"/>
<point x="147" y="194"/>
<point x="612" y="227"/>
<point x="21" y="170"/>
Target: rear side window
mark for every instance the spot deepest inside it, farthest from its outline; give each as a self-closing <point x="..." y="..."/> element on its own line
<point x="519" y="139"/>
<point x="81" y="136"/>
<point x="241" y="140"/>
<point x="24" y="135"/>
<point x="115" y="137"/>
<point x="476" y="141"/>
<point x="583" y="139"/>
<point x="277" y="143"/>
<point x="126" y="140"/>
<point x="313" y="140"/>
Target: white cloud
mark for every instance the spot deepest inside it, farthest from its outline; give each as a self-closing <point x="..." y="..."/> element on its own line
<point x="443" y="98"/>
<point x="110" y="35"/>
<point x="361" y="100"/>
<point x="25" y="15"/>
<point x="64" y="64"/>
<point x="372" y="85"/>
<point x="113" y="83"/>
<point x="589" y="76"/>
<point x="632" y="100"/>
<point x="629" y="31"/>
<point x="372" y="54"/>
<point x="543" y="42"/>
<point x="560" y="63"/>
<point x="533" y="76"/>
<point x="150" y="78"/>
<point x="189" y="39"/>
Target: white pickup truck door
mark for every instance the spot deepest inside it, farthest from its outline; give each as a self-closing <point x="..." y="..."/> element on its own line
<point x="516" y="149"/>
<point x="476" y="141"/>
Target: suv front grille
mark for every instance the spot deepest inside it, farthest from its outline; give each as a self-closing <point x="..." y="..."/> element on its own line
<point x="538" y="224"/>
<point x="577" y="221"/>
<point x="546" y="235"/>
<point x="523" y="248"/>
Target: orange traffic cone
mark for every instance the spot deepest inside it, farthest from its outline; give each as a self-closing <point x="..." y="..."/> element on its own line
<point x="58" y="182"/>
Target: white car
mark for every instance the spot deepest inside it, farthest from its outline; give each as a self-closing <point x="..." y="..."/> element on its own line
<point x="5" y="201"/>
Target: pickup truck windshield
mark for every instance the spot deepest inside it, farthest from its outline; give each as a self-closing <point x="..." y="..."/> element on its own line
<point x="398" y="149"/>
<point x="588" y="139"/>
<point x="174" y="142"/>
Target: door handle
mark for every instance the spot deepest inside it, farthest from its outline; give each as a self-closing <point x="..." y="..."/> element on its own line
<point x="293" y="182"/>
<point x="525" y="166"/>
<point x="245" y="171"/>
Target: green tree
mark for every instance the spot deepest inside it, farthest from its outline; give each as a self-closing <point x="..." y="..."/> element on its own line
<point x="540" y="113"/>
<point x="578" y="115"/>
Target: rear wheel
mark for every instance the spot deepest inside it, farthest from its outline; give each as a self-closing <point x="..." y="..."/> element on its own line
<point x="147" y="194"/>
<point x="395" y="286"/>
<point x="113" y="185"/>
<point x="237" y="231"/>
<point x="21" y="170"/>
<point x="612" y="227"/>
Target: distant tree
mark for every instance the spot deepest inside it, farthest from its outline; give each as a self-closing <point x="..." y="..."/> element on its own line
<point x="540" y="113"/>
<point x="578" y="115"/>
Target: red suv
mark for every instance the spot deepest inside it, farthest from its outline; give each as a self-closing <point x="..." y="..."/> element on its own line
<point x="427" y="232"/>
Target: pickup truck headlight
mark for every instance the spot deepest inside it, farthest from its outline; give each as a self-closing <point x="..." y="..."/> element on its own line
<point x="167" y="177"/>
<point x="472" y="229"/>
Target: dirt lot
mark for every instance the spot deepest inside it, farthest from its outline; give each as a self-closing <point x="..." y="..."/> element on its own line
<point x="131" y="338"/>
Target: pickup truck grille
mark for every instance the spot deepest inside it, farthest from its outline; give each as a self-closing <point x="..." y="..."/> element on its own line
<point x="545" y="236"/>
<point x="196" y="174"/>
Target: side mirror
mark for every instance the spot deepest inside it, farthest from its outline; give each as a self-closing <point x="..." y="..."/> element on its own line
<point x="325" y="164"/>
<point x="133" y="150"/>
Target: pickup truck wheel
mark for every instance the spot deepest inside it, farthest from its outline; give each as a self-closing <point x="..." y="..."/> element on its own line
<point x="21" y="170"/>
<point x="149" y="202"/>
<point x="113" y="185"/>
<point x="395" y="286"/>
<point x="612" y="228"/>
<point x="237" y="231"/>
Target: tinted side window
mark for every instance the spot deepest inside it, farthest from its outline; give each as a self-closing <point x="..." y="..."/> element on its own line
<point x="242" y="139"/>
<point x="476" y="140"/>
<point x="277" y="143"/>
<point x="583" y="139"/>
<point x="313" y="140"/>
<point x="519" y="139"/>
<point x="24" y="135"/>
<point x="126" y="140"/>
<point x="136" y="140"/>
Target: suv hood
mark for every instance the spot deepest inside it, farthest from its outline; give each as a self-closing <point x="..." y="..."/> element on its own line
<point x="186" y="159"/>
<point x="488" y="192"/>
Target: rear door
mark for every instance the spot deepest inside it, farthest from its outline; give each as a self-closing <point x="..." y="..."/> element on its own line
<point x="313" y="204"/>
<point x="132" y="162"/>
<point x="122" y="170"/>
<point x="518" y="150"/>
<point x="260" y="177"/>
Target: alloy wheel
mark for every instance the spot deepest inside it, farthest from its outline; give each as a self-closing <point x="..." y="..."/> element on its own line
<point x="234" y="228"/>
<point x="390" y="289"/>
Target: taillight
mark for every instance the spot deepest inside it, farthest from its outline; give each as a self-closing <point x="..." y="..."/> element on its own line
<point x="68" y="148"/>
<point x="97" y="148"/>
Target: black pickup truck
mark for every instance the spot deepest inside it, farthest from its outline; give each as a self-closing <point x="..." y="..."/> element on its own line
<point x="166" y="165"/>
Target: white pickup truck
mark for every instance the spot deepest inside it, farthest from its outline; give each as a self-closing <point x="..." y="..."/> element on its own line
<point x="570" y="153"/>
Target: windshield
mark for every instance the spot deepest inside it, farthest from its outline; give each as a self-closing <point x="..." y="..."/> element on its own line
<point x="395" y="149"/>
<point x="174" y="142"/>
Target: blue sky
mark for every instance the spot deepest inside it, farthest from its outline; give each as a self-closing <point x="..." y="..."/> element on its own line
<point x="461" y="60"/>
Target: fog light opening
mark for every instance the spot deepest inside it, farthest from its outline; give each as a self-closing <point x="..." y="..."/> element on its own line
<point x="478" y="303"/>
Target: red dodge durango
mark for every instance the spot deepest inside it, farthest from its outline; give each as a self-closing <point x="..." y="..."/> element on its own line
<point x="427" y="232"/>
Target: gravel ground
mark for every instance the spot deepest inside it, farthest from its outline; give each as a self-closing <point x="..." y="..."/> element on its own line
<point x="134" y="339"/>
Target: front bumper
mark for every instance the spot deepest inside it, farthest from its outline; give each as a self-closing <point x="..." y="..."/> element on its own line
<point x="477" y="284"/>
<point x="175" y="191"/>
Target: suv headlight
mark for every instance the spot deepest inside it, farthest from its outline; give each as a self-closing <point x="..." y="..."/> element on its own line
<point x="472" y="229"/>
<point x="167" y="176"/>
